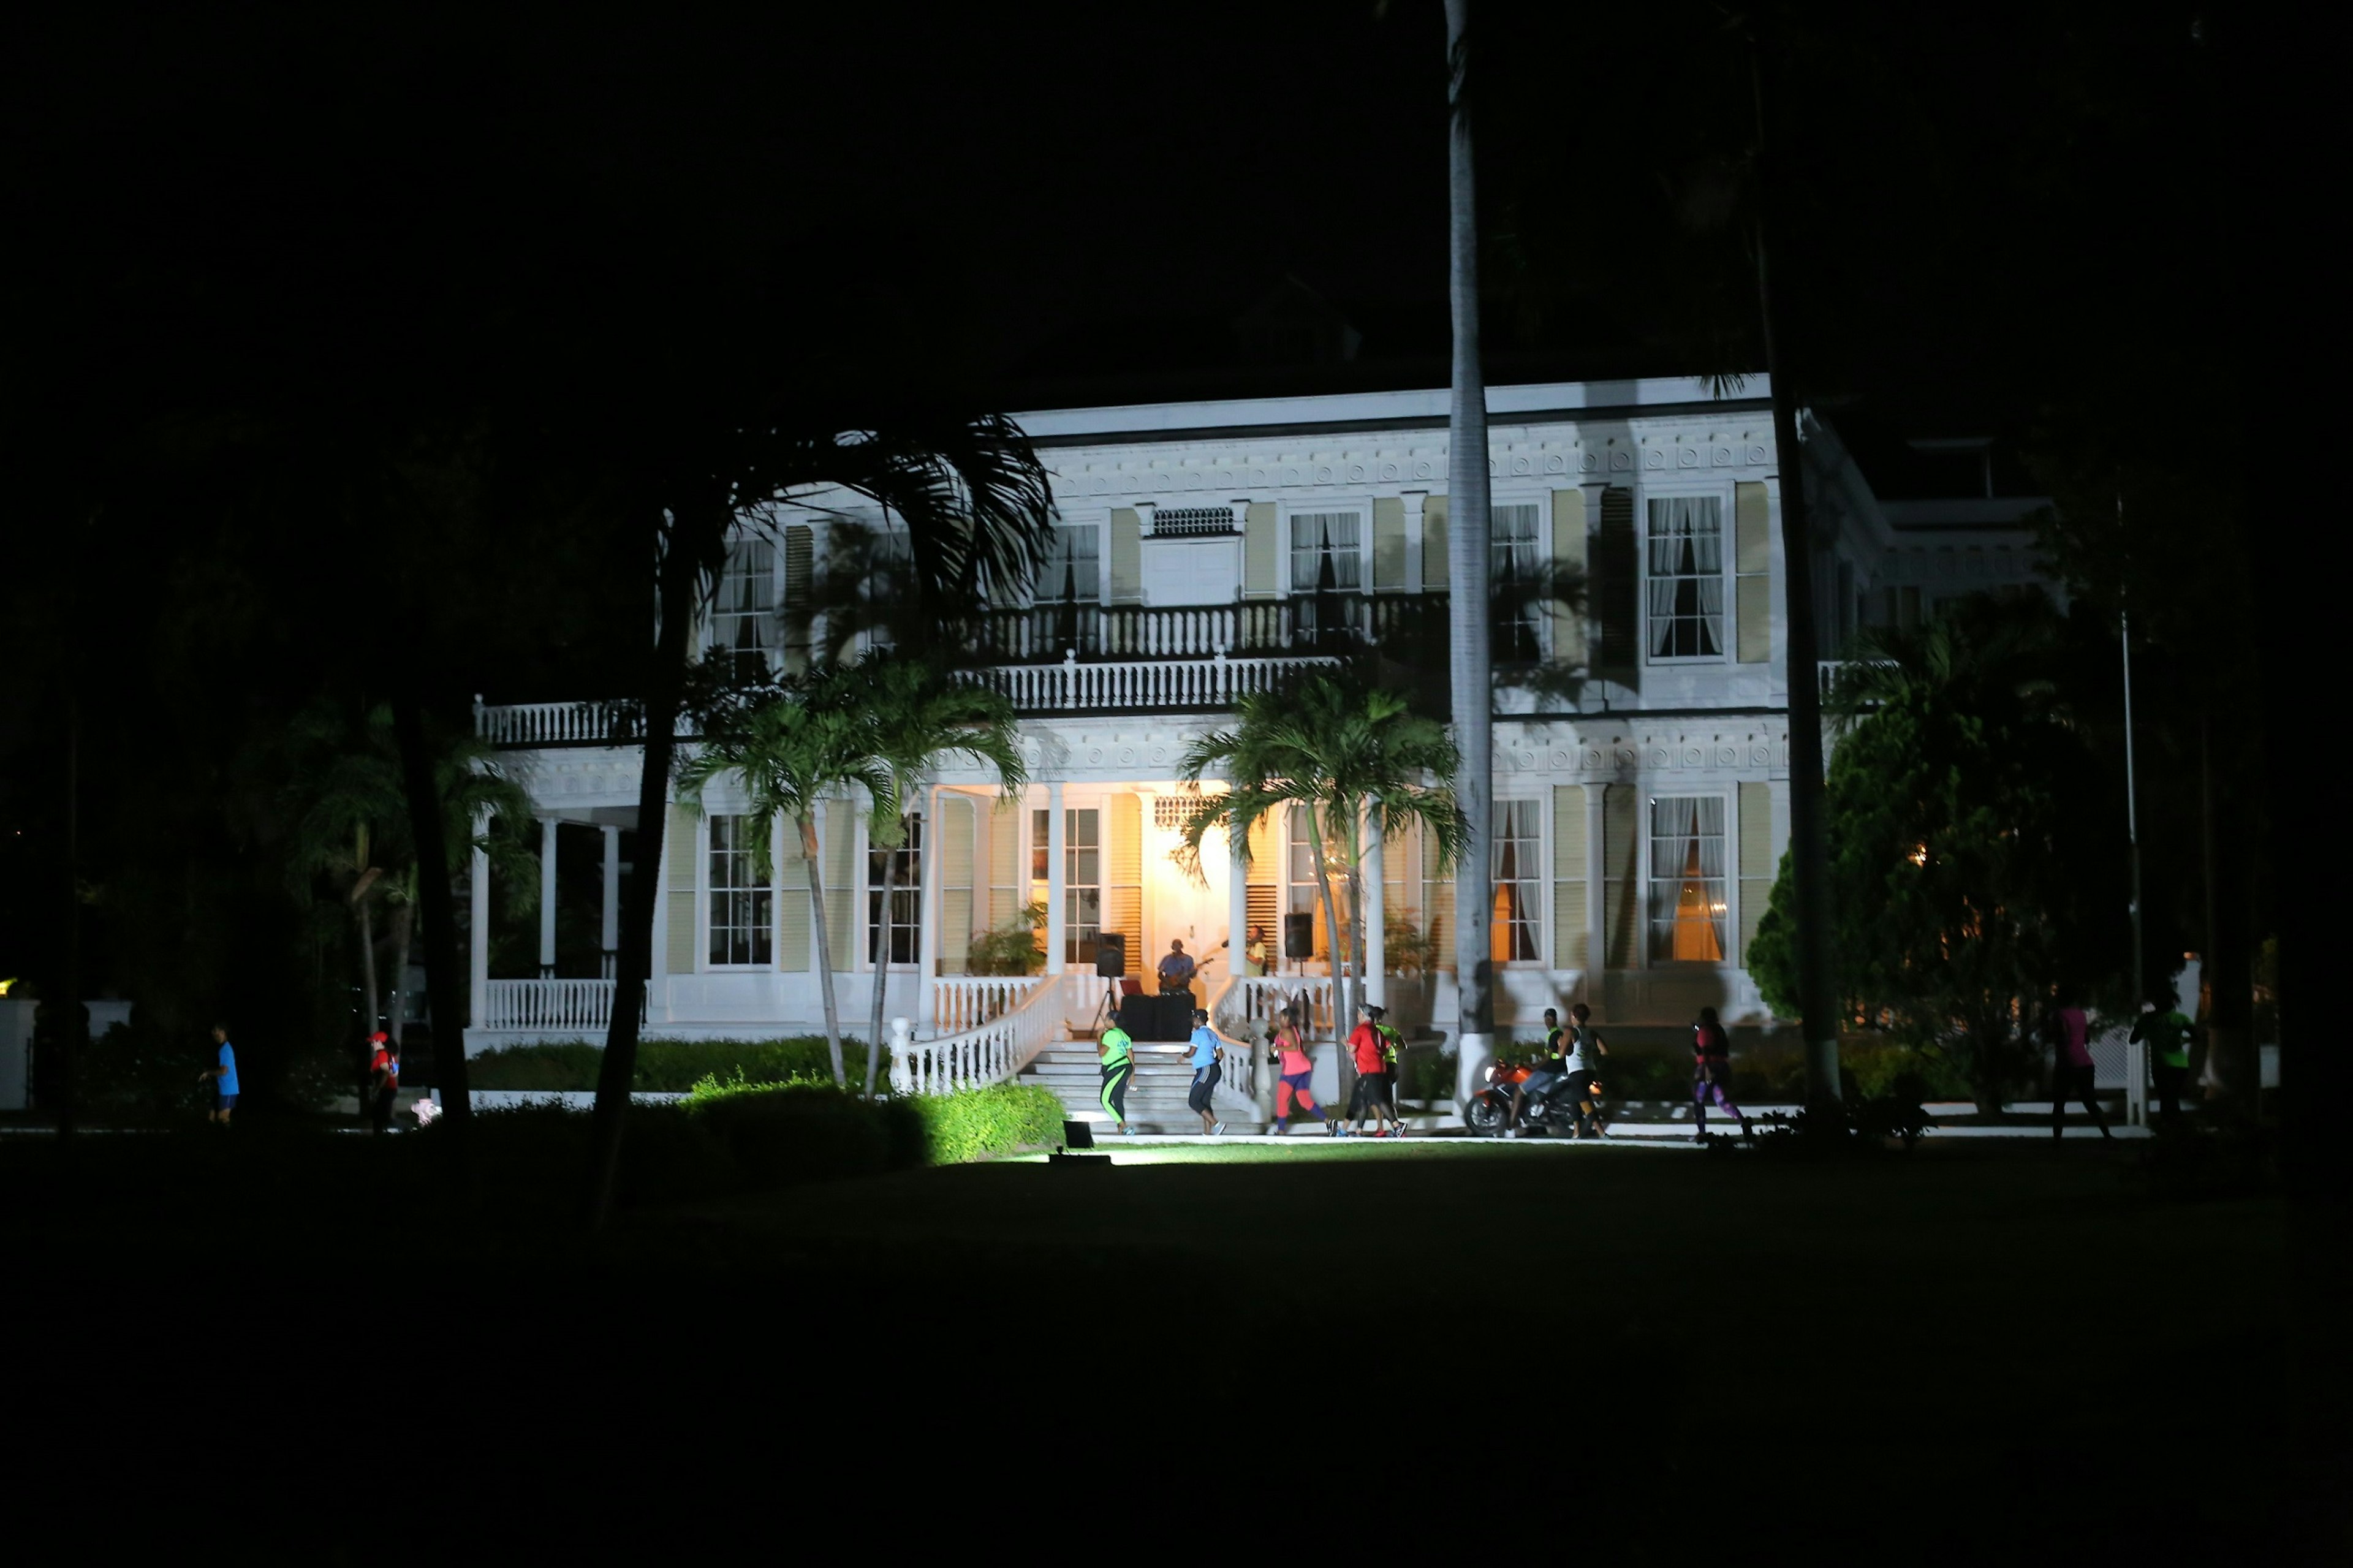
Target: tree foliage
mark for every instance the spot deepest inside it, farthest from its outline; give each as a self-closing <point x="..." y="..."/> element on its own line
<point x="1977" y="861"/>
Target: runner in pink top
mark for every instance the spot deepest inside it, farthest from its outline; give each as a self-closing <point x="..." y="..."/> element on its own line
<point x="2072" y="1075"/>
<point x="1298" y="1077"/>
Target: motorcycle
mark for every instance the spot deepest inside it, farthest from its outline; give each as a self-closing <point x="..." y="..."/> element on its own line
<point x="1490" y="1110"/>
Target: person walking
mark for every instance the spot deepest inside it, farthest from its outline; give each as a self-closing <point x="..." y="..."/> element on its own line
<point x="2166" y="1031"/>
<point x="223" y="1073"/>
<point x="1297" y="1080"/>
<point x="1711" y="1072"/>
<point x="1583" y="1069"/>
<point x="1392" y="1056"/>
<point x="1115" y="1051"/>
<point x="1371" y="1093"/>
<point x="1206" y="1073"/>
<point x="384" y="1082"/>
<point x="2072" y="1074"/>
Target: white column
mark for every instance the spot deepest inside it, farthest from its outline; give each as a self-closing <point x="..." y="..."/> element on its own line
<point x="609" y="938"/>
<point x="547" y="898"/>
<point x="479" y="891"/>
<point x="1413" y="499"/>
<point x="1377" y="917"/>
<point x="1597" y="898"/>
<point x="1237" y="902"/>
<point x="927" y="957"/>
<point x="1057" y="920"/>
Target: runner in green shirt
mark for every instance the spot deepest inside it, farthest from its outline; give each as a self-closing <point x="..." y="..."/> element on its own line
<point x="2167" y="1032"/>
<point x="1116" y="1052"/>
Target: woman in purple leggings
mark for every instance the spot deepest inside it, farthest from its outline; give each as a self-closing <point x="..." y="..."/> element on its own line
<point x="1710" y="1070"/>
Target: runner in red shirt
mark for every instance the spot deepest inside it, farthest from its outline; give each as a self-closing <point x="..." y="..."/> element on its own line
<point x="1371" y="1053"/>
<point x="384" y="1082"/>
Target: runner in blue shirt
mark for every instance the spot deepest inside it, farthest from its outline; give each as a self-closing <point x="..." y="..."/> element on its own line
<point x="223" y="1077"/>
<point x="1206" y="1072"/>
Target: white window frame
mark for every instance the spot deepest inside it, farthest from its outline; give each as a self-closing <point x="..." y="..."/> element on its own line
<point x="1047" y="590"/>
<point x="760" y="896"/>
<point x="1532" y="873"/>
<point x="720" y="627"/>
<point x="1539" y="543"/>
<point x="1723" y="497"/>
<point x="1727" y="934"/>
<point x="1363" y="512"/>
<point x="908" y="884"/>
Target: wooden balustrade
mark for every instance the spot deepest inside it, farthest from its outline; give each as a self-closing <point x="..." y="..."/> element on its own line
<point x="988" y="1053"/>
<point x="961" y="1002"/>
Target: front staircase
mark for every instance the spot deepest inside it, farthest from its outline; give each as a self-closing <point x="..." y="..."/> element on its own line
<point x="1155" y="1095"/>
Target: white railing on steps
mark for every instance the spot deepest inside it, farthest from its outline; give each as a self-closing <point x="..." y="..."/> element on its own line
<point x="962" y="1002"/>
<point x="987" y="1053"/>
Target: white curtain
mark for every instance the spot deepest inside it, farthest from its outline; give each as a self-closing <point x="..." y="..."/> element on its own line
<point x="1686" y="573"/>
<point x="1688" y="867"/>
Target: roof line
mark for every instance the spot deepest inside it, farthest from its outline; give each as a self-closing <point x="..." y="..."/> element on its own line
<point x="1399" y="422"/>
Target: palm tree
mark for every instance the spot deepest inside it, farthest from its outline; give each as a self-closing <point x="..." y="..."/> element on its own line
<point x="1470" y="661"/>
<point x="919" y="715"/>
<point x="816" y="738"/>
<point x="349" y="806"/>
<point x="1342" y="754"/>
<point x="977" y="510"/>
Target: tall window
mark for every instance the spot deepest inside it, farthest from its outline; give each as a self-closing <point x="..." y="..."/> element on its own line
<point x="1686" y="575"/>
<point x="1687" y="878"/>
<point x="1513" y="564"/>
<point x="904" y="922"/>
<point x="741" y="929"/>
<point x="1073" y="573"/>
<point x="1325" y="552"/>
<point x="1516" y="856"/>
<point x="743" y="619"/>
<point x="889" y="557"/>
<point x="1081" y="877"/>
<point x="1301" y="896"/>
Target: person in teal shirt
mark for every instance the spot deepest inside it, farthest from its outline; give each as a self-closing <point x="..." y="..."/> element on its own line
<point x="1116" y="1052"/>
<point x="223" y="1076"/>
<point x="1206" y="1072"/>
<point x="2166" y="1033"/>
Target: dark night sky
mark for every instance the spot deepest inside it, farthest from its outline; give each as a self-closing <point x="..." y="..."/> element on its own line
<point x="325" y="198"/>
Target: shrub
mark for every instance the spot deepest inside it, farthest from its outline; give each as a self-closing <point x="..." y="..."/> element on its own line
<point x="796" y="1131"/>
<point x="1011" y="948"/>
<point x="673" y="1066"/>
<point x="983" y="1121"/>
<point x="667" y="1155"/>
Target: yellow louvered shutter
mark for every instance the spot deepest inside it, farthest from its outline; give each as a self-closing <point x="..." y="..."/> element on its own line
<point x="1433" y="543"/>
<point x="793" y="939"/>
<point x="682" y="848"/>
<point x="800" y="568"/>
<point x="1261" y="551"/>
<point x="1621" y="865"/>
<point x="1126" y="556"/>
<point x="1569" y="560"/>
<point x="1568" y="874"/>
<point x="1261" y="896"/>
<point x="956" y="863"/>
<point x="1389" y="544"/>
<point x="840" y="831"/>
<point x="1614" y="583"/>
<point x="1752" y="512"/>
<point x="1004" y="861"/>
<point x="1123" y="874"/>
<point x="1756" y="859"/>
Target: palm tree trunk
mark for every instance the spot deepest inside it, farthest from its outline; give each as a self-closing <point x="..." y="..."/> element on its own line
<point x="438" y="908"/>
<point x="404" y="922"/>
<point x="665" y="681"/>
<point x="1808" y="837"/>
<point x="824" y="949"/>
<point x="1342" y="1010"/>
<point x="1470" y="660"/>
<point x="882" y="969"/>
<point x="368" y="989"/>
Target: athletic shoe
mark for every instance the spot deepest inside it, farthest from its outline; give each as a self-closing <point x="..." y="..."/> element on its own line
<point x="1127" y="1132"/>
<point x="1279" y="1131"/>
<point x="1337" y="1130"/>
<point x="1218" y="1130"/>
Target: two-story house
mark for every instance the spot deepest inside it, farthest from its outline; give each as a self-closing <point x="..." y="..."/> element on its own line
<point x="1207" y="549"/>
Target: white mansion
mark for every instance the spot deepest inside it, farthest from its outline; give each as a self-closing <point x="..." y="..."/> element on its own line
<point x="1207" y="549"/>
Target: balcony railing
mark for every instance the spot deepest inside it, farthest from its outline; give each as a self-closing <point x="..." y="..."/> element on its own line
<point x="1139" y="686"/>
<point x="1304" y="624"/>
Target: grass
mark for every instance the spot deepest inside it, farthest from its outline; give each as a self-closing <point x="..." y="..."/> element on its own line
<point x="1935" y="1330"/>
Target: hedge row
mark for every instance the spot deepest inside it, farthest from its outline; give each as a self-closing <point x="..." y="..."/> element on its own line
<point x="676" y="1065"/>
<point x="742" y="1136"/>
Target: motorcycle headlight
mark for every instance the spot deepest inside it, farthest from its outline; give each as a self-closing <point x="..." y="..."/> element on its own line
<point x="1488" y="1073"/>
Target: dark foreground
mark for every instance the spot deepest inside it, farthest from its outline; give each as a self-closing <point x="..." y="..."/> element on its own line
<point x="2031" y="1349"/>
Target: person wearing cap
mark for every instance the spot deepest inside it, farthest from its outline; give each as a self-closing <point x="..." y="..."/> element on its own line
<point x="1370" y="1050"/>
<point x="1207" y="1072"/>
<point x="384" y="1082"/>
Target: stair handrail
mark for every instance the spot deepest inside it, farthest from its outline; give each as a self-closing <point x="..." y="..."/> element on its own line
<point x="987" y="1053"/>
